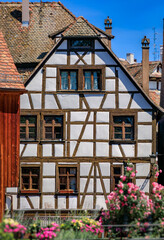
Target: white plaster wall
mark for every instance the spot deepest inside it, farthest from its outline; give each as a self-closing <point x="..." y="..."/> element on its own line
<point x="91" y="117"/>
<point x="87" y="58"/>
<point x="124" y="99"/>
<point x="102" y="149"/>
<point x="35" y="201"/>
<point x="116" y="151"/>
<point x="48" y="202"/>
<point x="125" y="83"/>
<point x="51" y="72"/>
<point x="129" y="149"/>
<point x="103" y="58"/>
<point x="109" y="102"/>
<point x="105" y="169"/>
<point x="144" y="116"/>
<point x="36" y="99"/>
<point x="61" y="202"/>
<point x="139" y="183"/>
<point x="48" y="185"/>
<point x="72" y="147"/>
<point x="50" y="102"/>
<point x="144" y="149"/>
<point x="98" y="45"/>
<point x="58" y="58"/>
<point x="143" y="169"/>
<point x="83" y="184"/>
<point x="59" y="150"/>
<point x="98" y="186"/>
<point x="24" y="203"/>
<point x="85" y="149"/>
<point x="21" y="146"/>
<point x="11" y="190"/>
<point x="110" y="72"/>
<point x="94" y="100"/>
<point x="74" y="58"/>
<point x="102" y="132"/>
<point x="47" y="150"/>
<point x="50" y="84"/>
<point x="140" y="102"/>
<point x="75" y="131"/>
<point x="72" y="202"/>
<point x="102" y="117"/>
<point x="48" y="169"/>
<point x="145" y="132"/>
<point x="24" y="102"/>
<point x="69" y="101"/>
<point x="78" y="116"/>
<point x="36" y="83"/>
<point x="85" y="168"/>
<point x="100" y="202"/>
<point x="152" y="85"/>
<point x="63" y="45"/>
<point x="30" y="151"/>
<point x="88" y="132"/>
<point x="110" y="85"/>
<point x="88" y="202"/>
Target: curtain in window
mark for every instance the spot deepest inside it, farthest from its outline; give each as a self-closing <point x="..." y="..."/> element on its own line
<point x="73" y="80"/>
<point x="96" y="80"/>
<point x="87" y="78"/>
<point x="64" y="80"/>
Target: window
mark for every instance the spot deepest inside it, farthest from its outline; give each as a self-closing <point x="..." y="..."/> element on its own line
<point x="68" y="79"/>
<point x="53" y="127"/>
<point x="81" y="43"/>
<point x="30" y="179"/>
<point x="67" y="179"/>
<point x="116" y="173"/>
<point x="123" y="127"/>
<point x="92" y="79"/>
<point x="28" y="127"/>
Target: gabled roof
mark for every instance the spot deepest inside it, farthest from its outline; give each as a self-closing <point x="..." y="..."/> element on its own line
<point x="9" y="76"/>
<point x="30" y="44"/>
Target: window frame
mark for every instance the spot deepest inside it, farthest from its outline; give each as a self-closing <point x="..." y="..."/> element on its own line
<point x="69" y="82"/>
<point x="30" y="176"/>
<point x="113" y="184"/>
<point x="92" y="80"/>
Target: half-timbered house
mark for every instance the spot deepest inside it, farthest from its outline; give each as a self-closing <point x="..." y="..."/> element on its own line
<point x="83" y="117"/>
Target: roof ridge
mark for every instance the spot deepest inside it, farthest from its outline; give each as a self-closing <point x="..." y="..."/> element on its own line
<point x="66" y="9"/>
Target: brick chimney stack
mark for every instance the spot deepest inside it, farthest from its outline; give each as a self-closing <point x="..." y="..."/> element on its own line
<point x="108" y="29"/>
<point x="25" y="13"/>
<point x="162" y="79"/>
<point x="145" y="64"/>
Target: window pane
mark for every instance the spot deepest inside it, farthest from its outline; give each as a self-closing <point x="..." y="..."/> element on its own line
<point x="58" y="119"/>
<point x="62" y="170"/>
<point x="87" y="79"/>
<point x="117" y="179"/>
<point x="48" y="119"/>
<point x="73" y="171"/>
<point x="117" y="119"/>
<point x="25" y="170"/>
<point x="72" y="183"/>
<point x="64" y="80"/>
<point x="96" y="79"/>
<point x="58" y="132"/>
<point x="73" y="80"/>
<point x="128" y="120"/>
<point x="117" y="136"/>
<point x="80" y="43"/>
<point x="63" y="183"/>
<point x="32" y="119"/>
<point x="117" y="170"/>
<point x="48" y="132"/>
<point x="22" y="119"/>
<point x="118" y="129"/>
<point x="129" y="136"/>
<point x="35" y="171"/>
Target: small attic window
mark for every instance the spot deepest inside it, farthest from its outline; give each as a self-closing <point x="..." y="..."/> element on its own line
<point x="81" y="43"/>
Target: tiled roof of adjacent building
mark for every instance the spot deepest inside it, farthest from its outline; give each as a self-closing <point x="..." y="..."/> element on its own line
<point x="30" y="44"/>
<point x="9" y="76"/>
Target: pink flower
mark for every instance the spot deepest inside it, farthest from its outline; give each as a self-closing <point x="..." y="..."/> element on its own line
<point x="160" y="171"/>
<point x="129" y="169"/>
<point x="132" y="174"/>
<point x="121" y="191"/>
<point x="157" y="174"/>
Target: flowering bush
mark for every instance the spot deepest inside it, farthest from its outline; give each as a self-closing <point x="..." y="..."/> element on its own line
<point x="14" y="227"/>
<point x="48" y="232"/>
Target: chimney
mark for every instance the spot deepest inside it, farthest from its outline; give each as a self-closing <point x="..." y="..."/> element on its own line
<point x="25" y="13"/>
<point x="108" y="29"/>
<point x="145" y="64"/>
<point x="130" y="58"/>
<point x="162" y="78"/>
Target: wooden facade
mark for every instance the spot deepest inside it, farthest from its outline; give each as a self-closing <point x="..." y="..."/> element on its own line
<point x="80" y="167"/>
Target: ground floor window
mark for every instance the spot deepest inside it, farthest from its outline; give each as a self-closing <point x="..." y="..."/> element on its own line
<point x="116" y="172"/>
<point x="67" y="179"/>
<point x="30" y="178"/>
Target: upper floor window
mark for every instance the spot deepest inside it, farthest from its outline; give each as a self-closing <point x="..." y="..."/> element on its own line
<point x="123" y="127"/>
<point x="81" y="43"/>
<point x="30" y="178"/>
<point x="53" y="127"/>
<point x="68" y="79"/>
<point x="92" y="79"/>
<point x="28" y="127"/>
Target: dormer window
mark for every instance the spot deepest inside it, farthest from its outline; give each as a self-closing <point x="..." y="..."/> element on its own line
<point x="81" y="43"/>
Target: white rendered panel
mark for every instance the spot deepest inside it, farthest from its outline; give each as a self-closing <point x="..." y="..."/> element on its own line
<point x="88" y="202"/>
<point x="61" y="202"/>
<point x="102" y="117"/>
<point x="140" y="102"/>
<point x="102" y="132"/>
<point x="24" y="203"/>
<point x="63" y="45"/>
<point x="124" y="99"/>
<point x="109" y="102"/>
<point x="47" y="150"/>
<point x="91" y="117"/>
<point x="128" y="149"/>
<point x="82" y="184"/>
<point x="48" y="169"/>
<point x="69" y="101"/>
<point x="102" y="149"/>
<point x="110" y="72"/>
<point x="110" y="85"/>
<point x="141" y="182"/>
<point x="88" y="132"/>
<point x="72" y="147"/>
<point x="87" y="58"/>
<point x="21" y="146"/>
<point x="85" y="168"/>
<point x="59" y="150"/>
<point x="143" y="169"/>
<point x="116" y="151"/>
<point x="100" y="202"/>
<point x="145" y="132"/>
<point x="98" y="45"/>
<point x="50" y="84"/>
<point x="83" y="105"/>
<point x="144" y="149"/>
<point x="74" y="58"/>
<point x="30" y="151"/>
<point x="72" y="202"/>
<point x="152" y="85"/>
<point x="48" y="185"/>
<point x="36" y="83"/>
<point x="48" y="202"/>
<point x="144" y="116"/>
<point x="36" y="99"/>
<point x="103" y="58"/>
<point x="11" y="190"/>
<point x="51" y="72"/>
<point x="50" y="102"/>
<point x="78" y="116"/>
<point x="75" y="131"/>
<point x="85" y="149"/>
<point x="24" y="102"/>
<point x="58" y="58"/>
<point x="94" y="100"/>
<point x="98" y="186"/>
<point x="125" y="83"/>
<point x="105" y="169"/>
<point x="35" y="201"/>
